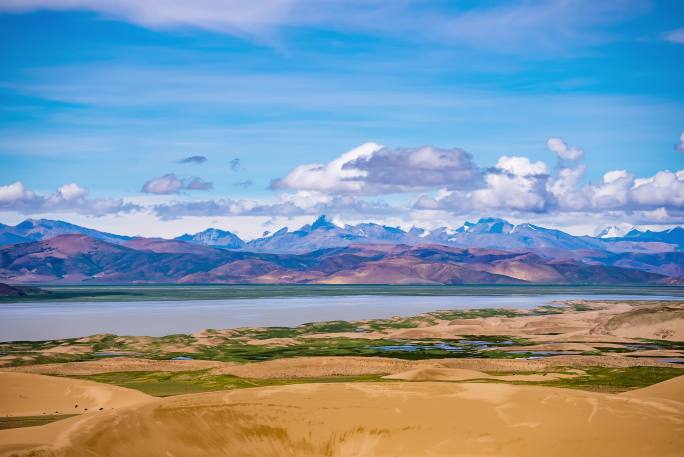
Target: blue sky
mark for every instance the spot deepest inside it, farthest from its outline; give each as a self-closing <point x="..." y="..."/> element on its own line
<point x="109" y="97"/>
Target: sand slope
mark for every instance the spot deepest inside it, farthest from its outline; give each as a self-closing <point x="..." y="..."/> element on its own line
<point x="672" y="389"/>
<point x="23" y="394"/>
<point x="114" y="364"/>
<point x="387" y="419"/>
<point x="459" y="374"/>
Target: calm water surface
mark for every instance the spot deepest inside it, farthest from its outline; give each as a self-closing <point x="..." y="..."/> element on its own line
<point x="49" y="320"/>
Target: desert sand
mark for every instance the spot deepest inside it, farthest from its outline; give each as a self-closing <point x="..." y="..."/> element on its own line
<point x="460" y="374"/>
<point x="24" y="394"/>
<point x="382" y="419"/>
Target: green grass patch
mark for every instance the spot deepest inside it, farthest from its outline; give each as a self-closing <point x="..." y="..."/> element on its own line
<point x="165" y="384"/>
<point x="611" y="380"/>
<point x="581" y="307"/>
<point x="449" y="315"/>
<point x="666" y="344"/>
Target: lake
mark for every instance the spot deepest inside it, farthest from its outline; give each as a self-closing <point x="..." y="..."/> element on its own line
<point x="39" y="320"/>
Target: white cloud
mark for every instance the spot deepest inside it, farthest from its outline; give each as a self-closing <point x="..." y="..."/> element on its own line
<point x="513" y="192"/>
<point x="68" y="198"/>
<point x="613" y="192"/>
<point x="521" y="166"/>
<point x="72" y="191"/>
<point x="515" y="187"/>
<point x="15" y="192"/>
<point x="166" y="184"/>
<point x="562" y="149"/>
<point x="680" y="146"/>
<point x="229" y="16"/>
<point x="675" y="36"/>
<point x="172" y="184"/>
<point x="615" y="175"/>
<point x="372" y="169"/>
<point x="565" y="188"/>
<point x="549" y="25"/>
<point x="665" y="189"/>
<point x="517" y="184"/>
<point x="332" y="176"/>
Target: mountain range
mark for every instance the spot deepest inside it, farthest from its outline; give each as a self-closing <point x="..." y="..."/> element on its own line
<point x="488" y="251"/>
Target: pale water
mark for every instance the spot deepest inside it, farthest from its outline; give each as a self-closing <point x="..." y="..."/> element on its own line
<point x="51" y="320"/>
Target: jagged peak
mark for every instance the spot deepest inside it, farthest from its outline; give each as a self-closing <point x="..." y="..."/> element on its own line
<point x="322" y="222"/>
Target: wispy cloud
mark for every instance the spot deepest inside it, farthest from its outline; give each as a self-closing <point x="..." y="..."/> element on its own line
<point x="245" y="184"/>
<point x="522" y="24"/>
<point x="675" y="36"/>
<point x="193" y="160"/>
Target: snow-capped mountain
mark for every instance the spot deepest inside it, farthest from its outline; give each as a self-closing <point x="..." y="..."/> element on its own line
<point x="615" y="231"/>
<point x="41" y="229"/>
<point x="487" y="233"/>
<point x="214" y="237"/>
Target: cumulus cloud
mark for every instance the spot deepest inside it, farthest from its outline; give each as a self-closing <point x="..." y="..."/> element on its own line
<point x="565" y="187"/>
<point x="372" y="169"/>
<point x="193" y="160"/>
<point x="619" y="190"/>
<point x="166" y="184"/>
<point x="519" y="185"/>
<point x="72" y="191"/>
<point x="562" y="149"/>
<point x="515" y="183"/>
<point x="521" y="166"/>
<point x="15" y="192"/>
<point x="172" y="184"/>
<point x="68" y="198"/>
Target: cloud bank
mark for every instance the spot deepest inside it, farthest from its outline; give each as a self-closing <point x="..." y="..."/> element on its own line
<point x="373" y="181"/>
<point x="70" y="198"/>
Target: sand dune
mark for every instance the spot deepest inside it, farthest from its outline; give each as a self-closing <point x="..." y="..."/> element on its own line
<point x="459" y="374"/>
<point x="672" y="389"/>
<point x="386" y="419"/>
<point x="311" y="367"/>
<point x="24" y="394"/>
<point x="113" y="364"/>
<point x="34" y="395"/>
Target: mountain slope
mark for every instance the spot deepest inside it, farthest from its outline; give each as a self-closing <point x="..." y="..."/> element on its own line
<point x="42" y="229"/>
<point x="79" y="258"/>
<point x="673" y="236"/>
<point x="214" y="237"/>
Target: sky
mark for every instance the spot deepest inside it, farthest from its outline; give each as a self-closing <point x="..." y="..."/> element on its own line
<point x="163" y="117"/>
